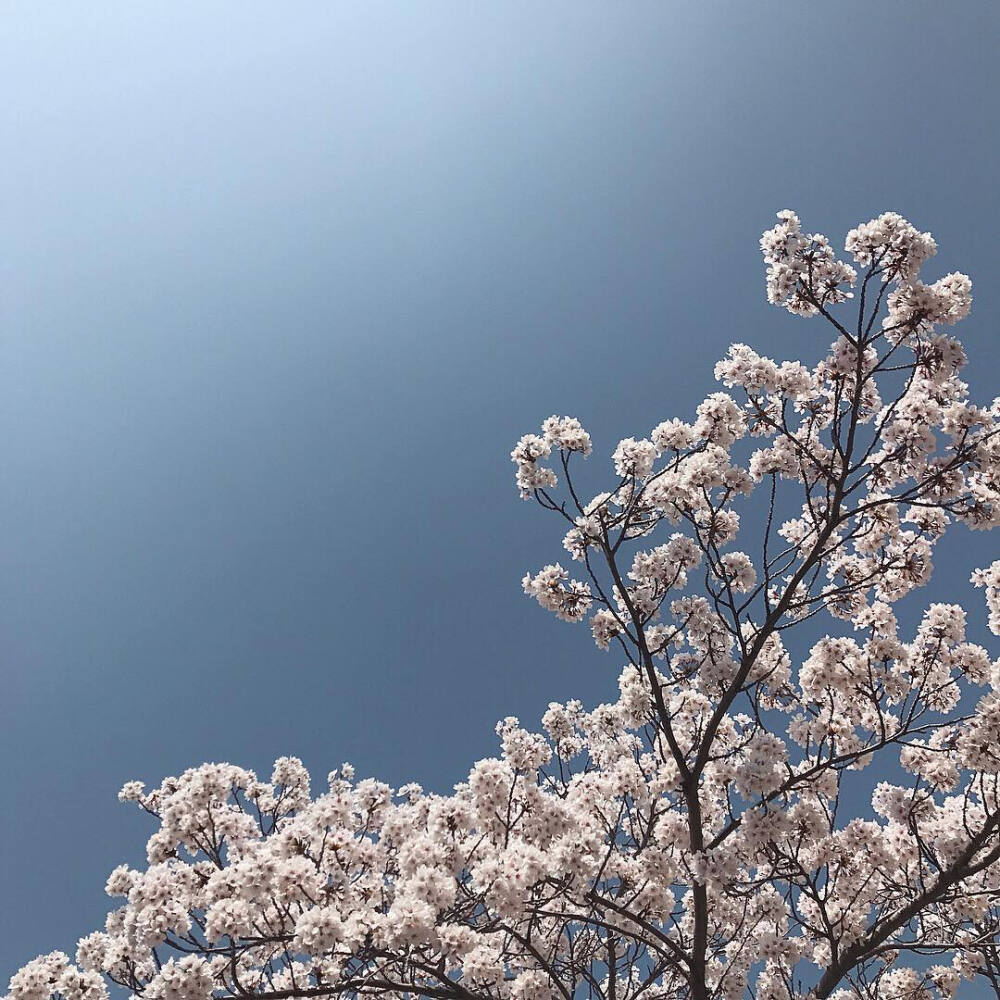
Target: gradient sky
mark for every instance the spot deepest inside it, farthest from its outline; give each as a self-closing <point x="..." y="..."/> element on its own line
<point x="281" y="284"/>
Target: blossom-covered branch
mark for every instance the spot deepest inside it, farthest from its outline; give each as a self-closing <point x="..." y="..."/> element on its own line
<point x="694" y="836"/>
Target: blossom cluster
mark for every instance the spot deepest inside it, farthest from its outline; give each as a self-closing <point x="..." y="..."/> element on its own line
<point x="883" y="474"/>
<point x="686" y="839"/>
<point x="504" y="887"/>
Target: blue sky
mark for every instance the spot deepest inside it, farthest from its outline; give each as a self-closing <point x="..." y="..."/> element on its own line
<point x="280" y="285"/>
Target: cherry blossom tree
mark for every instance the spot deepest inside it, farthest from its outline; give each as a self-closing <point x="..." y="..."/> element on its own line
<point x="695" y="836"/>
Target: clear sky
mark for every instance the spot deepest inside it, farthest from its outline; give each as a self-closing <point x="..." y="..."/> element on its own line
<point x="281" y="284"/>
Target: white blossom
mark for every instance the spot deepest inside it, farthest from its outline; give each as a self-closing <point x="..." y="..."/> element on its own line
<point x="694" y="836"/>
